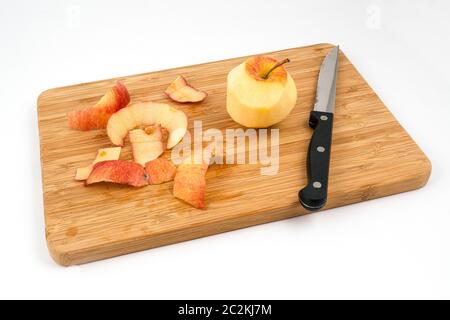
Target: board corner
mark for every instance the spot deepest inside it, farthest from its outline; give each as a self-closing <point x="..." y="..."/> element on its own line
<point x="41" y="97"/>
<point x="427" y="169"/>
<point x="59" y="254"/>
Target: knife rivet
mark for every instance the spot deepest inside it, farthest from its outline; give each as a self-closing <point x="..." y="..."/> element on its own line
<point x="324" y="118"/>
<point x="317" y="185"/>
<point x="320" y="149"/>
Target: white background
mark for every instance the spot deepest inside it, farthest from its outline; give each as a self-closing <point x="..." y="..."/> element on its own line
<point x="396" y="247"/>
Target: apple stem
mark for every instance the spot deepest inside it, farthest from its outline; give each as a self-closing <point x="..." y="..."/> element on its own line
<point x="274" y="67"/>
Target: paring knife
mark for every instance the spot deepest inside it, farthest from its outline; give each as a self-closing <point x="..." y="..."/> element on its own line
<point x="314" y="196"/>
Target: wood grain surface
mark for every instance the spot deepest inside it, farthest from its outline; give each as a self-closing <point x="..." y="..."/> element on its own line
<point x="372" y="156"/>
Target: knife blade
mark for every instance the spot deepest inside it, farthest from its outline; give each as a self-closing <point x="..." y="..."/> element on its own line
<point x="314" y="195"/>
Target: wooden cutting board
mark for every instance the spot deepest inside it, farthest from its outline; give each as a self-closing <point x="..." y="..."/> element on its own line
<point x="372" y="156"/>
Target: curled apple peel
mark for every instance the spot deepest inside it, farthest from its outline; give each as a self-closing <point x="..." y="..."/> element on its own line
<point x="118" y="171"/>
<point x="181" y="91"/>
<point x="97" y="116"/>
<point x="103" y="154"/>
<point x="148" y="144"/>
<point x="147" y="114"/>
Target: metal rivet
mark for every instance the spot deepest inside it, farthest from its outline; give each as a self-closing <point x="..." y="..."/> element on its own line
<point x="317" y="185"/>
<point x="324" y="118"/>
<point x="320" y="149"/>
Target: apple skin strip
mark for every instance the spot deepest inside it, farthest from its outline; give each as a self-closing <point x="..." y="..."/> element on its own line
<point x="102" y="155"/>
<point x="160" y="171"/>
<point x="118" y="171"/>
<point x="181" y="91"/>
<point x="97" y="116"/>
<point x="190" y="179"/>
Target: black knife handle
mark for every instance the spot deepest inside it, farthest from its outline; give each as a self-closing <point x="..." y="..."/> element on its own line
<point x="314" y="196"/>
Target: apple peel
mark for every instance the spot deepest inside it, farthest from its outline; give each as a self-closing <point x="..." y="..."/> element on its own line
<point x="190" y="184"/>
<point x="181" y="91"/>
<point x="190" y="180"/>
<point x="160" y="170"/>
<point x="102" y="155"/>
<point x="148" y="143"/>
<point x="147" y="114"/>
<point x="97" y="116"/>
<point x="118" y="171"/>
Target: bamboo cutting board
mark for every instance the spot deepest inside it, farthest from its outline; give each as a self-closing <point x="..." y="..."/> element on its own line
<point x="372" y="156"/>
